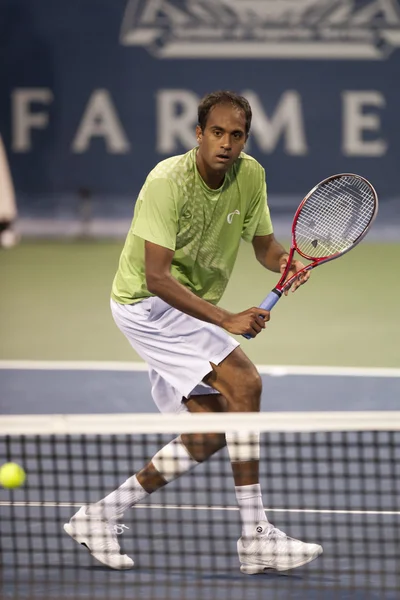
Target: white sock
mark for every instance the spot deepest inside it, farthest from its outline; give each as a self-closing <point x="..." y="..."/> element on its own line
<point x="116" y="503"/>
<point x="251" y="507"/>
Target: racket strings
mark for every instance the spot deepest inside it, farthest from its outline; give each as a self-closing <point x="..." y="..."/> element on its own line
<point x="334" y="216"/>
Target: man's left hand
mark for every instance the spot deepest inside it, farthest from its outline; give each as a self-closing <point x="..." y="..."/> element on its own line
<point x="295" y="267"/>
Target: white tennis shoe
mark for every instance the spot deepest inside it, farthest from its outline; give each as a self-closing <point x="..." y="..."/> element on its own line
<point x="270" y="548"/>
<point x="100" y="538"/>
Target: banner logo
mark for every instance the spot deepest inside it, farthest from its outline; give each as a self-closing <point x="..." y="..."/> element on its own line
<point x="272" y="29"/>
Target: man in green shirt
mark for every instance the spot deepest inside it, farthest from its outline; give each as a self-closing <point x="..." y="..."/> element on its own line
<point x="189" y="219"/>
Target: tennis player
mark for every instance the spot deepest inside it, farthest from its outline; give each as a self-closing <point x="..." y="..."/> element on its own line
<point x="189" y="219"/>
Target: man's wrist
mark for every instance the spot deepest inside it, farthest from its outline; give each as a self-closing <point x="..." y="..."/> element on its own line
<point x="221" y="317"/>
<point x="283" y="256"/>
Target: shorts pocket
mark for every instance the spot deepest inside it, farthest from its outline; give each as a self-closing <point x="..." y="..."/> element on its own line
<point x="158" y="308"/>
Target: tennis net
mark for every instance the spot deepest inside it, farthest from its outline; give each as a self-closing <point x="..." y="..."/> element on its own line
<point x="327" y="478"/>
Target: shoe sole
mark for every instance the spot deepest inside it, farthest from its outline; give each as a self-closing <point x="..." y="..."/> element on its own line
<point x="83" y="541"/>
<point x="254" y="568"/>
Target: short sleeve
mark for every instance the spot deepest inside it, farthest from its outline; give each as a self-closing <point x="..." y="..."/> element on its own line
<point x="156" y="215"/>
<point x="258" y="220"/>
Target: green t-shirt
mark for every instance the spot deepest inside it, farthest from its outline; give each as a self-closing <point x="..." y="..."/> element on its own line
<point x="177" y="210"/>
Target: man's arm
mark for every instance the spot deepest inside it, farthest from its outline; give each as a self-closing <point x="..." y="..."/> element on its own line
<point x="269" y="252"/>
<point x="273" y="256"/>
<point x="161" y="283"/>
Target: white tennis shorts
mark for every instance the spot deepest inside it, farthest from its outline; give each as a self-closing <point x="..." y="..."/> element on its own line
<point x="178" y="349"/>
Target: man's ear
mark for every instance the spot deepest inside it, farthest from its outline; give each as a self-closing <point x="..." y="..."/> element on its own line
<point x="199" y="133"/>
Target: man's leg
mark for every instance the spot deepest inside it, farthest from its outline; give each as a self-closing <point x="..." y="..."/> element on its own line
<point x="173" y="460"/>
<point x="262" y="546"/>
<point x="240" y="386"/>
<point x="94" y="525"/>
<point x="239" y="381"/>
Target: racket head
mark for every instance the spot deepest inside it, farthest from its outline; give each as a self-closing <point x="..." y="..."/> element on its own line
<point x="334" y="217"/>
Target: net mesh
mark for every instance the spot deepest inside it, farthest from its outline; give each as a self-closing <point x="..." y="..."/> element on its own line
<point x="331" y="479"/>
<point x="334" y="216"/>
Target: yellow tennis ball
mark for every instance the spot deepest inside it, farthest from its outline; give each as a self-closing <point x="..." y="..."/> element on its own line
<point x="12" y="475"/>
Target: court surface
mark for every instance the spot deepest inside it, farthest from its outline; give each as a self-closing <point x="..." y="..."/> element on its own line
<point x="168" y="572"/>
<point x="54" y="305"/>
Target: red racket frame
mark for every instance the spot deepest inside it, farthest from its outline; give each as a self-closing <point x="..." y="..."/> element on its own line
<point x="281" y="287"/>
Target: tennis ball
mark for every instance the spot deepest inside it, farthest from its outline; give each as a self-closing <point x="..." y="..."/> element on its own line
<point x="11" y="475"/>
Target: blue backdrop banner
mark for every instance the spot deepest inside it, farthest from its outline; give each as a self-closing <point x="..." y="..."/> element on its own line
<point x="94" y="94"/>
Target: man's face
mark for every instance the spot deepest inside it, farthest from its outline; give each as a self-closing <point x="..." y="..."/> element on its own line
<point x="223" y="138"/>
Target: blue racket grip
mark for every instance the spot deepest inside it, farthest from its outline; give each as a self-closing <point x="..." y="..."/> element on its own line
<point x="267" y="304"/>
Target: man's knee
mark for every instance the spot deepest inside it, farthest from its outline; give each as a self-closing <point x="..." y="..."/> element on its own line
<point x="201" y="446"/>
<point x="238" y="380"/>
<point x="244" y="394"/>
<point x="254" y="382"/>
<point x="251" y="391"/>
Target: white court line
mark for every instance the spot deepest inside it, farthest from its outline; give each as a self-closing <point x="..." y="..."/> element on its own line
<point x="71" y="365"/>
<point x="273" y="370"/>
<point x="213" y="508"/>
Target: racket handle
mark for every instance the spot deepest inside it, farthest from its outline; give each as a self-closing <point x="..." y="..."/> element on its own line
<point x="267" y="304"/>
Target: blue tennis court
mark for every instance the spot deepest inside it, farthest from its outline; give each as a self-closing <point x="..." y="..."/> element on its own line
<point x="183" y="539"/>
<point x="100" y="387"/>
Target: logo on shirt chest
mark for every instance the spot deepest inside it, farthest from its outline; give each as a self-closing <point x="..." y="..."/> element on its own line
<point x="229" y="218"/>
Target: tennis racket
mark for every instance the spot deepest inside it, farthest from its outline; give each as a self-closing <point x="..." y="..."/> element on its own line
<point x="333" y="218"/>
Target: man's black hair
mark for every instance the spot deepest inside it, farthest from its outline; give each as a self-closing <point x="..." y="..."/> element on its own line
<point x="223" y="97"/>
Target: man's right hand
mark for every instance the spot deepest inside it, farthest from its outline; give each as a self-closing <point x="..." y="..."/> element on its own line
<point x="250" y="321"/>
